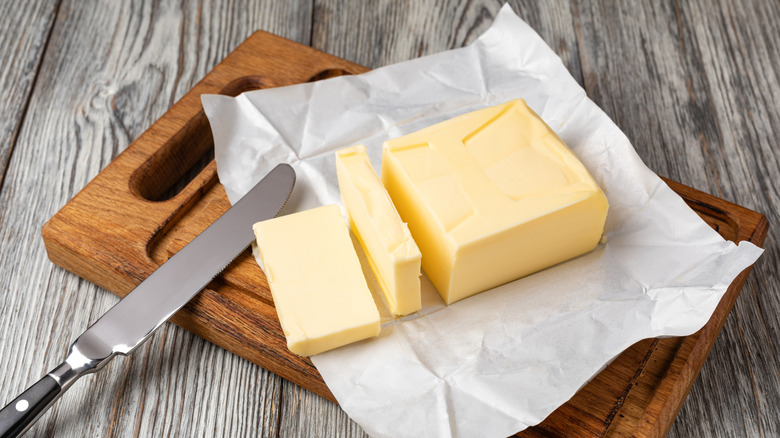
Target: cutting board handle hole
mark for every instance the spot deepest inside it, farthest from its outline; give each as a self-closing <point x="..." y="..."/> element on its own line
<point x="187" y="153"/>
<point x="245" y="83"/>
<point x="329" y="73"/>
<point x="183" y="157"/>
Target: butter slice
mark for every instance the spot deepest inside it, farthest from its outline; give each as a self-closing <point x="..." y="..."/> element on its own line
<point x="492" y="196"/>
<point x="319" y="291"/>
<point x="389" y="247"/>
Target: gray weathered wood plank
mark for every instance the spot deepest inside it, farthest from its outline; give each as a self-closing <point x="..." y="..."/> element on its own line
<point x="25" y="30"/>
<point x="739" y="390"/>
<point x="694" y="86"/>
<point x="390" y="31"/>
<point x="110" y="70"/>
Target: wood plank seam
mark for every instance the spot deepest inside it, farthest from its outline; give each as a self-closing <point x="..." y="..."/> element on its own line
<point x="577" y="25"/>
<point x="33" y="86"/>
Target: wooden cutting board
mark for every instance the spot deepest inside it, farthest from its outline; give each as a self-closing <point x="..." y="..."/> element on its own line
<point x="132" y="217"/>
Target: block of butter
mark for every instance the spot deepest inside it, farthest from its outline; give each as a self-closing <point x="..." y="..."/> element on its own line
<point x="319" y="291"/>
<point x="386" y="240"/>
<point x="492" y="196"/>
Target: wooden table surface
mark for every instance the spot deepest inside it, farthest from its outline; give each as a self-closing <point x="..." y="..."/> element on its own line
<point x="694" y="84"/>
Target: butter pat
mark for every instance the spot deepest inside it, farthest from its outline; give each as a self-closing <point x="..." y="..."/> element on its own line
<point x="320" y="295"/>
<point x="492" y="196"/>
<point x="386" y="240"/>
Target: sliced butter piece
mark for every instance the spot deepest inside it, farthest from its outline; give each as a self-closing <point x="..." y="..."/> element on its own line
<point x="492" y="196"/>
<point x="389" y="247"/>
<point x="319" y="291"/>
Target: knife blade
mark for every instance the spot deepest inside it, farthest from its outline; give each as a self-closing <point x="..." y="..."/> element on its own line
<point x="135" y="318"/>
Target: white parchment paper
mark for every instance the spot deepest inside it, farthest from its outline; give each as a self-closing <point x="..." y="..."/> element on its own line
<point x="503" y="360"/>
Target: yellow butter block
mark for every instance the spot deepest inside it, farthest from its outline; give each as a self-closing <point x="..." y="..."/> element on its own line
<point x="319" y="291"/>
<point x="492" y="196"/>
<point x="389" y="247"/>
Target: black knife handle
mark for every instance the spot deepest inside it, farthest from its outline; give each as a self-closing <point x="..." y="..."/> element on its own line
<point x="22" y="412"/>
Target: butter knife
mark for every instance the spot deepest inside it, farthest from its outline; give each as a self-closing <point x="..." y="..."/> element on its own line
<point x="135" y="318"/>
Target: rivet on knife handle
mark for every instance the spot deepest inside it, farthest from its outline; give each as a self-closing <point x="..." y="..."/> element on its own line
<point x="133" y="319"/>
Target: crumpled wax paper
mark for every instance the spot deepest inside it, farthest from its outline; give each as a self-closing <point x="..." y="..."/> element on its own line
<point x="502" y="360"/>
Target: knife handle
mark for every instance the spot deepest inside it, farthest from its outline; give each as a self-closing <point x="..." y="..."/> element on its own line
<point x="22" y="412"/>
<point x="25" y="410"/>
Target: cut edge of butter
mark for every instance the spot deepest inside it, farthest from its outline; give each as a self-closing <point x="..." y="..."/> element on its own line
<point x="384" y="237"/>
<point x="319" y="291"/>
